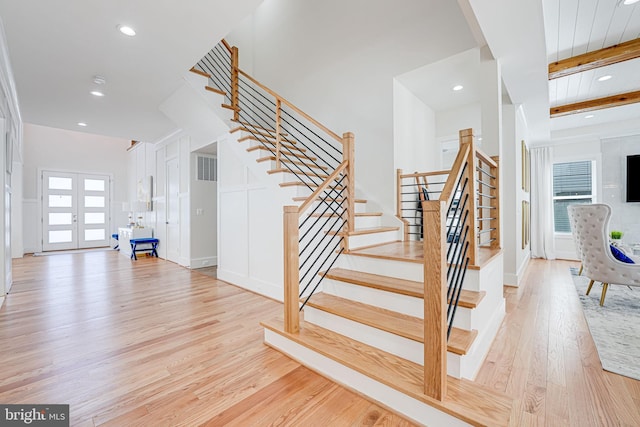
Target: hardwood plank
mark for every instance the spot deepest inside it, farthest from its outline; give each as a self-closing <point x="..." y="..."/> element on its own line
<point x="466" y="400"/>
<point x="144" y="343"/>
<point x="468" y="299"/>
<point x="76" y="324"/>
<point x="389" y="321"/>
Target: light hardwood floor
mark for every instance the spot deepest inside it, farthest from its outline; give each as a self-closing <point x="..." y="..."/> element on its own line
<point x="149" y="343"/>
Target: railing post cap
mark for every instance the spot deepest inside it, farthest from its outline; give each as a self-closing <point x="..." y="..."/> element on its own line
<point x="289" y="209"/>
<point x="348" y="135"/>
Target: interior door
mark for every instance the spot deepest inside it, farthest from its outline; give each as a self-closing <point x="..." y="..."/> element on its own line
<point x="75" y="211"/>
<point x="173" y="210"/>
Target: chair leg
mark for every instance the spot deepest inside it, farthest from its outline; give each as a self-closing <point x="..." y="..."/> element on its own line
<point x="590" y="286"/>
<point x="605" y="286"/>
<point x="580" y="272"/>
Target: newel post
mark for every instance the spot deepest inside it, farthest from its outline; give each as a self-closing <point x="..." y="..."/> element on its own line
<point x="349" y="154"/>
<point x="291" y="270"/>
<point x="435" y="299"/>
<point x="234" y="83"/>
<point x="466" y="137"/>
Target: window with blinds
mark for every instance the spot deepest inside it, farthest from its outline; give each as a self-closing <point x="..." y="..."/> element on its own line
<point x="207" y="169"/>
<point x="572" y="184"/>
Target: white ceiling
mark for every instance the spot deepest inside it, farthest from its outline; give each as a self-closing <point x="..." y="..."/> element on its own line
<point x="56" y="47"/>
<point x="574" y="27"/>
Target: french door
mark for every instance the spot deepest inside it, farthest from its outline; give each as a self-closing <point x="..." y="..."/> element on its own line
<point x="75" y="211"/>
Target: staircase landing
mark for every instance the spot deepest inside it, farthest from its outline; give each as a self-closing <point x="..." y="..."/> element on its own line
<point x="413" y="251"/>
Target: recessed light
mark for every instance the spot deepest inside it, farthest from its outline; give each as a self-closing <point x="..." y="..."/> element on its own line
<point x="458" y="87"/>
<point x="604" y="78"/>
<point x="126" y="30"/>
<point x="83" y="124"/>
<point x="628" y="2"/>
<point x="588" y="116"/>
<point x="96" y="93"/>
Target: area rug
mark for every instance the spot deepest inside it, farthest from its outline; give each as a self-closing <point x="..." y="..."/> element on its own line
<point x="615" y="328"/>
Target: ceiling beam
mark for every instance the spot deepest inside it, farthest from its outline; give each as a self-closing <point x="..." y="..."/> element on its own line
<point x="595" y="104"/>
<point x="596" y="59"/>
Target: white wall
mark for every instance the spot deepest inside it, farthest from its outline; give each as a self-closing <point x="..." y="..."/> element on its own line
<point x="63" y="150"/>
<point x="516" y="257"/>
<point x="625" y="216"/>
<point x="414" y="129"/>
<point x="250" y="229"/>
<point x="11" y="158"/>
<point x="336" y="60"/>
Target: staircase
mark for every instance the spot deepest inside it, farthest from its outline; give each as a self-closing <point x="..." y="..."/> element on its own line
<point x="357" y="290"/>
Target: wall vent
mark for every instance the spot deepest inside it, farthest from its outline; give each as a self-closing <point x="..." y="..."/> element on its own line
<point x="207" y="168"/>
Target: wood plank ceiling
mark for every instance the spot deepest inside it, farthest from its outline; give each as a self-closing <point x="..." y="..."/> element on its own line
<point x="586" y="41"/>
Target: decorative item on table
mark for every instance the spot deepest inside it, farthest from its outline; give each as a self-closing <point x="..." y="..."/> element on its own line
<point x="616" y="237"/>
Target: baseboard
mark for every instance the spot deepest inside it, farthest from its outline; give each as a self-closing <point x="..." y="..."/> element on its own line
<point x="204" y="262"/>
<point x="266" y="289"/>
<point x="511" y="279"/>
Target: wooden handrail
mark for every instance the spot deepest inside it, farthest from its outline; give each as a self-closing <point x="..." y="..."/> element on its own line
<point x="425" y="174"/>
<point x="292" y="106"/>
<point x="447" y="191"/>
<point x="227" y="45"/>
<point x="485" y="158"/>
<point x="312" y="198"/>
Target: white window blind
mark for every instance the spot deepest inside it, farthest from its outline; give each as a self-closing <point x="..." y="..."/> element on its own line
<point x="572" y="184"/>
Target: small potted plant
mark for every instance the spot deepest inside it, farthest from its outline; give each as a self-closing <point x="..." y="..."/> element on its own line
<point x="616" y="236"/>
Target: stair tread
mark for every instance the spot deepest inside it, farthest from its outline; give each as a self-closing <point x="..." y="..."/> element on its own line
<point x="200" y="72"/>
<point x="357" y="214"/>
<point x="468" y="298"/>
<point x="369" y="230"/>
<point x="269" y="133"/>
<point x="284" y="143"/>
<point x="283" y="160"/>
<point x="471" y="402"/>
<point x="215" y="90"/>
<point x="297" y="155"/>
<point x="285" y="170"/>
<point x="247" y="125"/>
<point x="303" y="198"/>
<point x="406" y="326"/>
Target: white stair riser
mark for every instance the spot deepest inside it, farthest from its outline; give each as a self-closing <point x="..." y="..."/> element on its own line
<point x="387" y="396"/>
<point x="411" y="306"/>
<point x="370" y="239"/>
<point x="384" y="267"/>
<point x="385" y="341"/>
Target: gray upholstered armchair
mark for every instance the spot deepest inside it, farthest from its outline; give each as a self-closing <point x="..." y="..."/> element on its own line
<point x="590" y="224"/>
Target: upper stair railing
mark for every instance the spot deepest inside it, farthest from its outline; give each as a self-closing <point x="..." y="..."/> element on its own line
<point x="414" y="188"/>
<point x="314" y="158"/>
